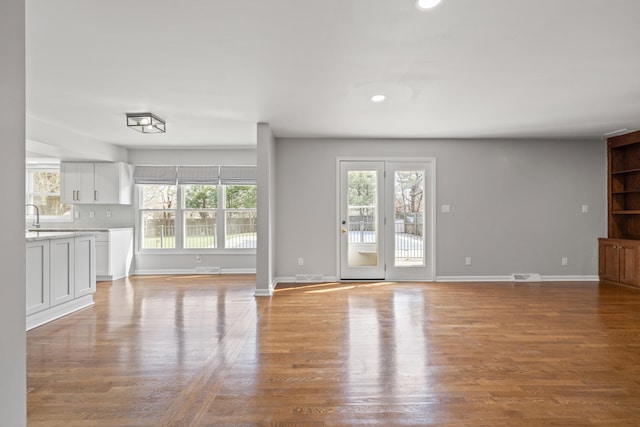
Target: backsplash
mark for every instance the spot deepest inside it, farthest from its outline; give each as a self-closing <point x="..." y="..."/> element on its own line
<point x="120" y="216"/>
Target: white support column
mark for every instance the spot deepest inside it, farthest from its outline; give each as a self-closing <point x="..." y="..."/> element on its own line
<point x="265" y="254"/>
<point x="13" y="387"/>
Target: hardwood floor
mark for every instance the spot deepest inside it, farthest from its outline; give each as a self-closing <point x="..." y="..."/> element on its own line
<point x="201" y="350"/>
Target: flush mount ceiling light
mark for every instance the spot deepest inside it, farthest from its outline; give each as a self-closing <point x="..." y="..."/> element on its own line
<point x="426" y="4"/>
<point x="145" y="123"/>
<point x="378" y="98"/>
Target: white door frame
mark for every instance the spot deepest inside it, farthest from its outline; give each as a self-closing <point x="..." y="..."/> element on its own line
<point x="430" y="227"/>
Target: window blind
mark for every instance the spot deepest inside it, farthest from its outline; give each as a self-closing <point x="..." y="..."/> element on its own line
<point x="212" y="175"/>
<point x="202" y="175"/>
<point x="159" y="175"/>
<point x="238" y="175"/>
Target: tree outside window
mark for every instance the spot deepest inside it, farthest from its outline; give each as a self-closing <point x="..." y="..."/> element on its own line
<point x="43" y="190"/>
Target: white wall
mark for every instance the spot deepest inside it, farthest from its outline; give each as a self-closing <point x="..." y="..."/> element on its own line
<point x="192" y="157"/>
<point x="13" y="389"/>
<point x="515" y="205"/>
<point x="47" y="140"/>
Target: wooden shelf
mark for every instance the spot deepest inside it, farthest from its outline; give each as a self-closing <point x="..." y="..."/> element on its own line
<point x="626" y="212"/>
<point x="619" y="254"/>
<point x="625" y="171"/>
<point x="625" y="192"/>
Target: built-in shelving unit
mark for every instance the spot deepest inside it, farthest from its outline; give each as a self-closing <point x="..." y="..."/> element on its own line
<point x="619" y="254"/>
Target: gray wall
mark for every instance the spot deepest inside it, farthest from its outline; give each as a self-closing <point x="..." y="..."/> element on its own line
<point x="515" y="205"/>
<point x="13" y="389"/>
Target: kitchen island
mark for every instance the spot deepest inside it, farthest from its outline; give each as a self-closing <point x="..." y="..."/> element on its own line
<point x="61" y="274"/>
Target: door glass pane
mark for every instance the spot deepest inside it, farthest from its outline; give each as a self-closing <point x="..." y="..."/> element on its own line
<point x="362" y="218"/>
<point x="409" y="218"/>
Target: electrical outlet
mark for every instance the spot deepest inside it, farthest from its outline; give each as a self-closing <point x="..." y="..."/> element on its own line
<point x="467" y="261"/>
<point x="76" y="214"/>
<point x="198" y="259"/>
<point x="300" y="261"/>
<point x="565" y="261"/>
<point x="92" y="214"/>
<point x="446" y="208"/>
<point x="585" y="208"/>
<point x="108" y="214"/>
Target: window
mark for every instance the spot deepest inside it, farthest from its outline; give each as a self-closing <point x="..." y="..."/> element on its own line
<point x="240" y="216"/>
<point x="158" y="212"/>
<point x="198" y="210"/>
<point x="43" y="190"/>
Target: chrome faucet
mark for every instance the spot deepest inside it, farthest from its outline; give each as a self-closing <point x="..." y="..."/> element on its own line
<point x="37" y="223"/>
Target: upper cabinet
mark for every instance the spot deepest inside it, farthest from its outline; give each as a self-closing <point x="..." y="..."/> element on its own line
<point x="96" y="183"/>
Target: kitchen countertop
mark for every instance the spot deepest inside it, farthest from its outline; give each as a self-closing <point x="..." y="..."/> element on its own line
<point x="32" y="236"/>
<point x="70" y="229"/>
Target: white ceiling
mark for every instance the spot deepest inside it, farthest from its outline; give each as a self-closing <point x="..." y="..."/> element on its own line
<point x="213" y="69"/>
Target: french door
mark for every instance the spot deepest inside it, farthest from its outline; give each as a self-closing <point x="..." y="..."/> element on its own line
<point x="386" y="221"/>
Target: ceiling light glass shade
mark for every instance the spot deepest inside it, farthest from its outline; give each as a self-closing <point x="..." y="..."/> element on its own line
<point x="427" y="4"/>
<point x="146" y="123"/>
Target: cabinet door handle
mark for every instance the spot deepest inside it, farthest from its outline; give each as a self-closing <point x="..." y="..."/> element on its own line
<point x="74" y="195"/>
<point x="95" y="195"/>
<point x="78" y="192"/>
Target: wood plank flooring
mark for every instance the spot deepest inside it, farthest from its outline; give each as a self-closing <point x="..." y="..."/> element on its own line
<point x="201" y="350"/>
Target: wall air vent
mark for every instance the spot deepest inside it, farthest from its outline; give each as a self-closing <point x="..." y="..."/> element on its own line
<point x="309" y="278"/>
<point x="526" y="277"/>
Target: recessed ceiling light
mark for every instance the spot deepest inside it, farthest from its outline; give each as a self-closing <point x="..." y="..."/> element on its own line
<point x="378" y="98"/>
<point x="427" y="4"/>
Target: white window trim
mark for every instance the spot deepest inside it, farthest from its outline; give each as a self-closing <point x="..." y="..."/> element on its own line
<point x="31" y="218"/>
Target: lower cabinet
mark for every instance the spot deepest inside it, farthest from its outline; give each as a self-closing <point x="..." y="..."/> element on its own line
<point x="114" y="253"/>
<point x="619" y="261"/>
<point x="61" y="267"/>
<point x="37" y="276"/>
<point x="84" y="266"/>
<point x="60" y="277"/>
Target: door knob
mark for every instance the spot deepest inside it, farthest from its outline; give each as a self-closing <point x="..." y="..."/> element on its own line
<point x="344" y="230"/>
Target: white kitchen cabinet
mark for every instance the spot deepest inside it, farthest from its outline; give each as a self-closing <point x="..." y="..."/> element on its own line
<point x="102" y="256"/>
<point x="96" y="183"/>
<point x="37" y="276"/>
<point x="113" y="183"/>
<point x="114" y="253"/>
<point x="60" y="275"/>
<point x="84" y="266"/>
<point x="61" y="270"/>
<point x="76" y="182"/>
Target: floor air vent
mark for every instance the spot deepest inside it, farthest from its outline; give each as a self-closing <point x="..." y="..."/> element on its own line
<point x="527" y="277"/>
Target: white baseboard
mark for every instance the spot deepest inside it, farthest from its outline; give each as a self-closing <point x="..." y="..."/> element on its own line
<point x="45" y="316"/>
<point x="266" y="292"/>
<point x="570" y="278"/>
<point x="510" y="279"/>
<point x="263" y="292"/>
<point x="176" y="271"/>
<point x="293" y="279"/>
